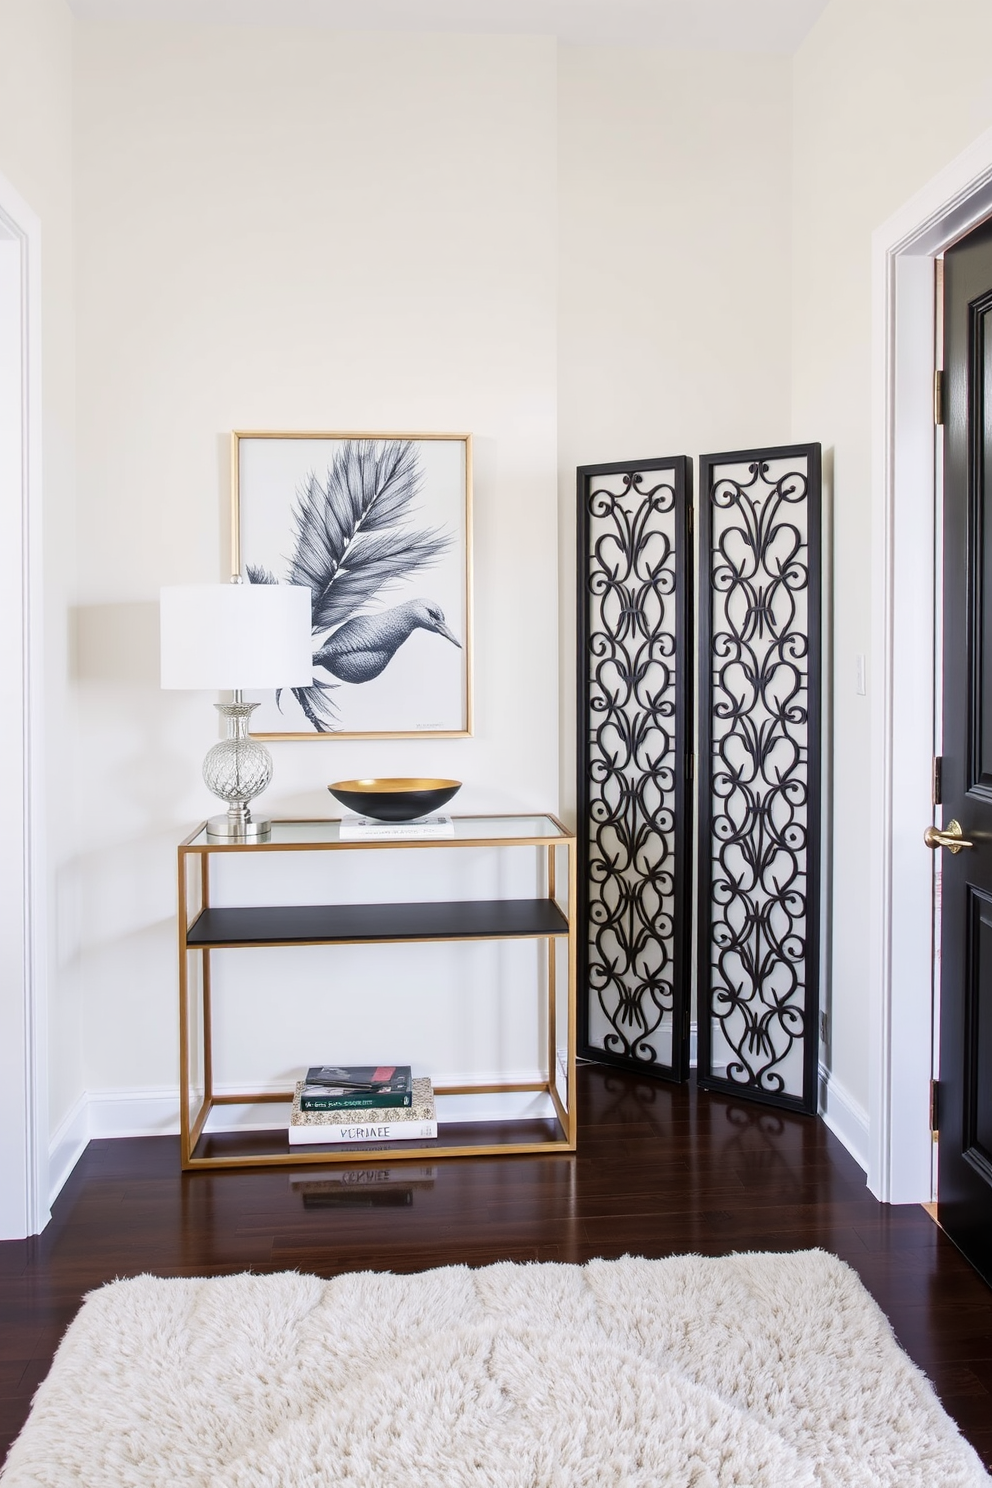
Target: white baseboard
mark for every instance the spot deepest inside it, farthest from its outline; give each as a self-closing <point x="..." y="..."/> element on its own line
<point x="155" y="1113"/>
<point x="719" y="1065"/>
<point x="67" y="1145"/>
<point x="134" y="1113"/>
<point x="844" y="1116"/>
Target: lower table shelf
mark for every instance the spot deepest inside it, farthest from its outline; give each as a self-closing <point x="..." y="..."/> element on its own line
<point x="455" y="1139"/>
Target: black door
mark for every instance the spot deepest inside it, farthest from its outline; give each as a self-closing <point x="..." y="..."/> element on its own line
<point x="965" y="1086"/>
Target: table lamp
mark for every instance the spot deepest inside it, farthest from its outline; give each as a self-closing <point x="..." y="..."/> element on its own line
<point x="236" y="636"/>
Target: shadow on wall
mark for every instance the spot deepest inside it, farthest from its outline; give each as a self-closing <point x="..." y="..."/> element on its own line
<point x="116" y="643"/>
<point x="114" y="660"/>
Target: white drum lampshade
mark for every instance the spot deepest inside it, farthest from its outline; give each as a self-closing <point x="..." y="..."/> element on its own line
<point x="236" y="636"/>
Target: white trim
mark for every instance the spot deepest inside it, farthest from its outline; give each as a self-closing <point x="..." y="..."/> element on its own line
<point x="67" y="1145"/>
<point x="144" y="1112"/>
<point x="903" y="533"/>
<point x="23" y="1025"/>
<point x="845" y="1117"/>
<point x="133" y="1113"/>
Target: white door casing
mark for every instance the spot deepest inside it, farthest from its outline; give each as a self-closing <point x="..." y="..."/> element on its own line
<point x="23" y="1043"/>
<point x="904" y="551"/>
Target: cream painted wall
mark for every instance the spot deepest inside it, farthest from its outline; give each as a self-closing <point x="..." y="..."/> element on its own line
<point x="283" y="229"/>
<point x="577" y="253"/>
<point x="293" y="230"/>
<point x="36" y="157"/>
<point x="886" y="92"/>
<point x="674" y="331"/>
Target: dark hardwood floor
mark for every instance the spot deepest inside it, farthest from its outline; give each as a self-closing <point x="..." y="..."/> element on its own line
<point x="660" y="1170"/>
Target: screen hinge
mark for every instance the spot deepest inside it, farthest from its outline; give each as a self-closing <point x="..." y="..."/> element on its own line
<point x="935" y="779"/>
<point x="938" y="396"/>
<point x="935" y="1105"/>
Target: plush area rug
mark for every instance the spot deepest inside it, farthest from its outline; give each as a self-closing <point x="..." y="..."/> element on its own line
<point x="758" y="1371"/>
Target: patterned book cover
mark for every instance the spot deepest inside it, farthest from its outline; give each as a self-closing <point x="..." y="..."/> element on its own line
<point x="422" y="1109"/>
<point x="362" y="1079"/>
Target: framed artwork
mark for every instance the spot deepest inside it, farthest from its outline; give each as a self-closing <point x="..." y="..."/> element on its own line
<point x="379" y="527"/>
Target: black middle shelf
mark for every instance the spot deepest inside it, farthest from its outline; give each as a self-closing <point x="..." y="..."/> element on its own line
<point x="309" y="924"/>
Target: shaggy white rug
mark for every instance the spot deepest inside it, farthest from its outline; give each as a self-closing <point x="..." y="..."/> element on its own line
<point x="752" y="1371"/>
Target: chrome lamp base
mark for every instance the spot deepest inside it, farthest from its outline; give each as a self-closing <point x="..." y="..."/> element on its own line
<point x="239" y="826"/>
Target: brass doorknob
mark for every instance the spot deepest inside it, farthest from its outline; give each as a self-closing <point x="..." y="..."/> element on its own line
<point x="952" y="837"/>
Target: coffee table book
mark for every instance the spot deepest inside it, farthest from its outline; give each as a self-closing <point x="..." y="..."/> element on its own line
<point x="356" y="1087"/>
<point x="416" y="1122"/>
<point x="367" y="829"/>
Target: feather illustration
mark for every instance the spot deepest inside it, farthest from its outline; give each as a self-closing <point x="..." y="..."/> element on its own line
<point x="258" y="575"/>
<point x="318" y="709"/>
<point x="355" y="541"/>
<point x="352" y="535"/>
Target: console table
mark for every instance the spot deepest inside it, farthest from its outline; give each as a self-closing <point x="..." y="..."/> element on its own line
<point x="206" y="928"/>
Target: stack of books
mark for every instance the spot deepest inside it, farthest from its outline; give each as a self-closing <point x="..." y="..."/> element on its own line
<point x="362" y="1103"/>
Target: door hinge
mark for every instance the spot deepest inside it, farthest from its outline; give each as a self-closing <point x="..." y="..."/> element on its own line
<point x="690" y="766"/>
<point x="688" y="520"/>
<point x="935" y="1105"/>
<point x="938" y="396"/>
<point x="936" y="779"/>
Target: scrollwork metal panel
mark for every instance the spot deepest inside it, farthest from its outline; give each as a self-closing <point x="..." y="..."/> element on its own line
<point x="760" y="774"/>
<point x="634" y="606"/>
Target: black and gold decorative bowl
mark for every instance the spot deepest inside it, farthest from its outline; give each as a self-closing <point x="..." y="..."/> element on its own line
<point x="397" y="800"/>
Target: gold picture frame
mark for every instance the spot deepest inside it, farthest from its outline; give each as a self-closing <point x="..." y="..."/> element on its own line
<point x="380" y="527"/>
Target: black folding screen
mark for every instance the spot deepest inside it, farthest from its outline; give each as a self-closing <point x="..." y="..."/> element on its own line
<point x="759" y="775"/>
<point x="634" y="726"/>
<point x="758" y="847"/>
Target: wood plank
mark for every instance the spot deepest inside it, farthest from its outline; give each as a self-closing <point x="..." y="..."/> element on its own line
<point x="705" y="1173"/>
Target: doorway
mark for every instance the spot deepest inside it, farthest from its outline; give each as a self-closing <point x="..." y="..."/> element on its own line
<point x="964" y="793"/>
<point x="903" y="564"/>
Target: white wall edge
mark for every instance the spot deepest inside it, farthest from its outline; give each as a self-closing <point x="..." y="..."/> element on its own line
<point x="902" y="536"/>
<point x="844" y="1116"/>
<point x="27" y="808"/>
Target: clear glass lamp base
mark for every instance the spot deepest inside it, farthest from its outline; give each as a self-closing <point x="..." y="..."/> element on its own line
<point x="238" y="769"/>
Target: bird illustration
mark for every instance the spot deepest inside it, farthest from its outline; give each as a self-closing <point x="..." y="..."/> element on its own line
<point x="354" y="540"/>
<point x="362" y="648"/>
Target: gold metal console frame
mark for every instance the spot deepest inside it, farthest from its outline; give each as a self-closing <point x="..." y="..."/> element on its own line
<point x="197" y="1096"/>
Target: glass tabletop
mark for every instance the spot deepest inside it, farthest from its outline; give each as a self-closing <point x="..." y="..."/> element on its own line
<point x="327" y="833"/>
